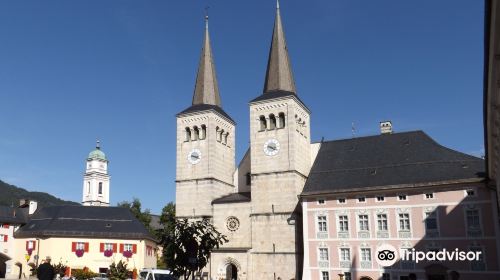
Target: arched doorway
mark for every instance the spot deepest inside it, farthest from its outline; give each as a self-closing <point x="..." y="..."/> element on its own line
<point x="231" y="272"/>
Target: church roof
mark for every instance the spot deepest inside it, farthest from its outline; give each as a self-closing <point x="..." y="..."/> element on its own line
<point x="206" y="89"/>
<point x="233" y="198"/>
<point x="13" y="215"/>
<point x="279" y="74"/>
<point x="388" y="161"/>
<point x="84" y="222"/>
<point x="206" y="107"/>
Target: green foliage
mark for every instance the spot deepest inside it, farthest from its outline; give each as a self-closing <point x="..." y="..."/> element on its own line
<point x="60" y="269"/>
<point x="10" y="196"/>
<point x="82" y="274"/>
<point x="143" y="216"/>
<point x="187" y="248"/>
<point x="118" y="271"/>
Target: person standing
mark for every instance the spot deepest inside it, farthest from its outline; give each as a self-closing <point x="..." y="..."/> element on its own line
<point x="45" y="270"/>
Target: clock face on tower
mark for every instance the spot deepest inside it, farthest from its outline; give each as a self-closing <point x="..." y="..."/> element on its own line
<point x="271" y="147"/>
<point x="194" y="156"/>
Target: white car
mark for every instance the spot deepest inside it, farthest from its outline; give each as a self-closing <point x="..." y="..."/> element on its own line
<point x="156" y="274"/>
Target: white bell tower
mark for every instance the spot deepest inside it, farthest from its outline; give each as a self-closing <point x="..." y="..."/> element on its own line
<point x="96" y="179"/>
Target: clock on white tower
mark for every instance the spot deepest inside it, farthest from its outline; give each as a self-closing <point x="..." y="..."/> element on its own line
<point x="271" y="147"/>
<point x="194" y="156"/>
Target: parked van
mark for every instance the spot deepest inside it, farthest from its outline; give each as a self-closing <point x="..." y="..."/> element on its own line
<point x="156" y="274"/>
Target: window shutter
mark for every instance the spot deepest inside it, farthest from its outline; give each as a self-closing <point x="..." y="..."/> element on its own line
<point x="114" y="247"/>
<point x="101" y="248"/>
<point x="121" y="248"/>
<point x="5" y="238"/>
<point x="134" y="248"/>
<point x="27" y="244"/>
<point x="73" y="246"/>
<point x="34" y="245"/>
<point x="86" y="247"/>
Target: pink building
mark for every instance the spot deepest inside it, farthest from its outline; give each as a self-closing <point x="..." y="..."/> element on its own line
<point x="401" y="189"/>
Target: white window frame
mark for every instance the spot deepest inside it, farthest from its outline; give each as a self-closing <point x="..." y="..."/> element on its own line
<point x="436" y="216"/>
<point x="361" y="197"/>
<point x="108" y="246"/>
<point x="429" y="198"/>
<point x="321" y="274"/>
<point x="317" y="223"/>
<point x="31" y="244"/>
<point x="399" y="221"/>
<point x="401" y="194"/>
<point x="369" y="255"/>
<point x="470" y="189"/>
<point x="339" y="228"/>
<point x="128" y="247"/>
<point x="385" y="272"/>
<point x="80" y="245"/>
<point x="367" y="222"/>
<point x="338" y="200"/>
<point x="483" y="256"/>
<point x="327" y="254"/>
<point x="386" y="219"/>
<point x="341" y="256"/>
<point x="480" y="219"/>
<point x="321" y="201"/>
<point x="380" y="201"/>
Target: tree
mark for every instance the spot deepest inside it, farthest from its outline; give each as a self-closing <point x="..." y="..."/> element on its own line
<point x="135" y="207"/>
<point x="118" y="271"/>
<point x="187" y="248"/>
<point x="167" y="222"/>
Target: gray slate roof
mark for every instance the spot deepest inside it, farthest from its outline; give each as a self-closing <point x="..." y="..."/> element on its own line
<point x="406" y="158"/>
<point x="84" y="221"/>
<point x="13" y="215"/>
<point x="233" y="198"/>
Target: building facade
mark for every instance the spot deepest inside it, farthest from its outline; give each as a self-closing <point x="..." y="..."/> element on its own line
<point x="293" y="209"/>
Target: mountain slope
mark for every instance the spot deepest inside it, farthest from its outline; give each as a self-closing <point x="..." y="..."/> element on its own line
<point x="10" y="195"/>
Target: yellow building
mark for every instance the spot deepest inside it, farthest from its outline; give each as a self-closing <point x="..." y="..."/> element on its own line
<point x="83" y="236"/>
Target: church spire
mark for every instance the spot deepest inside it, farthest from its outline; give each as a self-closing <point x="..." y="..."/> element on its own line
<point x="279" y="71"/>
<point x="206" y="90"/>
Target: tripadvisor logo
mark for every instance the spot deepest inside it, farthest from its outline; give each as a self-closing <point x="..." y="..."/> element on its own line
<point x="387" y="255"/>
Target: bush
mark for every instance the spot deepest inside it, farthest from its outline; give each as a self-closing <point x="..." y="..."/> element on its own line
<point x="82" y="274"/>
<point x="118" y="271"/>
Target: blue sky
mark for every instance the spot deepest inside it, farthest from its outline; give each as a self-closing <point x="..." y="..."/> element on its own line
<point x="119" y="70"/>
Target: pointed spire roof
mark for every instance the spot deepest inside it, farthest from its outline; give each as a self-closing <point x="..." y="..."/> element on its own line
<point x="206" y="90"/>
<point x="279" y="71"/>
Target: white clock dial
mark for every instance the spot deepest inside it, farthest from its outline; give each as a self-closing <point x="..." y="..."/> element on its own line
<point x="194" y="156"/>
<point x="271" y="147"/>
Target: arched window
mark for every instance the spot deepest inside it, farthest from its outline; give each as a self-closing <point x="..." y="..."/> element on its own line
<point x="203" y="132"/>
<point x="88" y="187"/>
<point x="100" y="188"/>
<point x="262" y="122"/>
<point x="217" y="132"/>
<point x="188" y="135"/>
<point x="281" y="118"/>
<point x="196" y="133"/>
<point x="225" y="138"/>
<point x="219" y="137"/>
<point x="272" y="121"/>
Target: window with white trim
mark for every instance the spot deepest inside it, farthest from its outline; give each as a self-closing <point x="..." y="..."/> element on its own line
<point x="343" y="223"/>
<point x="473" y="219"/>
<point x="127" y="247"/>
<point x="429" y="195"/>
<point x="380" y="198"/>
<point x="322" y="224"/>
<point x="323" y="254"/>
<point x="382" y="222"/>
<point x="366" y="254"/>
<point x="404" y="221"/>
<point x="363" y="222"/>
<point x="347" y="276"/>
<point x="108" y="246"/>
<point x="341" y="201"/>
<point x="431" y="221"/>
<point x="386" y="276"/>
<point x="80" y="246"/>
<point x="321" y="201"/>
<point x="470" y="192"/>
<point x="325" y="275"/>
<point x="362" y="199"/>
<point x="402" y="197"/>
<point x="345" y="254"/>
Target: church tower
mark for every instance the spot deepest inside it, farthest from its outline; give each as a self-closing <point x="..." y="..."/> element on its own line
<point x="205" y="144"/>
<point x="96" y="179"/>
<point x="280" y="164"/>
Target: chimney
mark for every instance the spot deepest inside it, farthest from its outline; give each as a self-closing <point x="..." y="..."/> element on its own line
<point x="32" y="208"/>
<point x="386" y="127"/>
